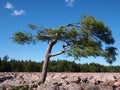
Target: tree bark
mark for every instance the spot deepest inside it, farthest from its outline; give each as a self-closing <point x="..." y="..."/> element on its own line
<point x="47" y="57"/>
<point x="46" y="61"/>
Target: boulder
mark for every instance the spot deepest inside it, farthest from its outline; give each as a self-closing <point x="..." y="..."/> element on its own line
<point x="72" y="88"/>
<point x="62" y="88"/>
<point x="117" y="84"/>
<point x="92" y="87"/>
<point x="41" y="88"/>
<point x="52" y="87"/>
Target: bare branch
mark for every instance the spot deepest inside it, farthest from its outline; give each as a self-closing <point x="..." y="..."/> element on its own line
<point x="58" y="53"/>
<point x="73" y="24"/>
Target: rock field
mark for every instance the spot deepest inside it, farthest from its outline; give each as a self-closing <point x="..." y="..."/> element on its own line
<point x="60" y="81"/>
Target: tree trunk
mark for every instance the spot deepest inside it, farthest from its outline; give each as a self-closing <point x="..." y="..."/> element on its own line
<point x="44" y="69"/>
<point x="46" y="61"/>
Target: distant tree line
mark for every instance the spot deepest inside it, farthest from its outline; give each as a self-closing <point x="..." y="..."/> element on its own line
<point x="13" y="65"/>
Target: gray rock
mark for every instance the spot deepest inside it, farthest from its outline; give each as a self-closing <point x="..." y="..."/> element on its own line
<point x="62" y="81"/>
<point x="61" y="88"/>
<point x="118" y="88"/>
<point x="53" y="81"/>
<point x="52" y="87"/>
<point x="41" y="88"/>
<point x="4" y="88"/>
<point x="108" y="88"/>
<point x="117" y="84"/>
<point x="75" y="87"/>
<point x="72" y="88"/>
<point x="92" y="87"/>
<point x="80" y="88"/>
<point x="2" y="79"/>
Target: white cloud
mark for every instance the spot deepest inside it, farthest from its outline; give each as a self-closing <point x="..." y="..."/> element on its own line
<point x="70" y="2"/>
<point x="14" y="12"/>
<point x="8" y="6"/>
<point x="18" y="12"/>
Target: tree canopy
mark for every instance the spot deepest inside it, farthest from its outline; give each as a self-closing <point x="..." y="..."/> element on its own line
<point x="89" y="37"/>
<point x="82" y="39"/>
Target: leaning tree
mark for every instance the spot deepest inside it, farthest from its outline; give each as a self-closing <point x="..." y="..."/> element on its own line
<point x="89" y="37"/>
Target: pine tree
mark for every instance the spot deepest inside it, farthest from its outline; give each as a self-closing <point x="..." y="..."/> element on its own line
<point x="82" y="39"/>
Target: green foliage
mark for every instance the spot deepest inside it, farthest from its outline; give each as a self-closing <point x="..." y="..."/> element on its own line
<point x="33" y="27"/>
<point x="110" y="54"/>
<point x="82" y="39"/>
<point x="22" y="37"/>
<point x="4" y="64"/>
<point x="16" y="87"/>
<point x="13" y="65"/>
<point x="63" y="66"/>
<point x="97" y="29"/>
<point x="19" y="88"/>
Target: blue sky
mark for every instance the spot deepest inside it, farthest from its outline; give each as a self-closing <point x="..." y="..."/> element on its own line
<point x="15" y="15"/>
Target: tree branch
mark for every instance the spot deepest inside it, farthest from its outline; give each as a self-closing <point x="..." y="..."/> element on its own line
<point x="58" y="53"/>
<point x="73" y="24"/>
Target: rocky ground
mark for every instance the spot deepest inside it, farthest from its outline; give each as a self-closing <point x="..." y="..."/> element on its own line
<point x="60" y="81"/>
